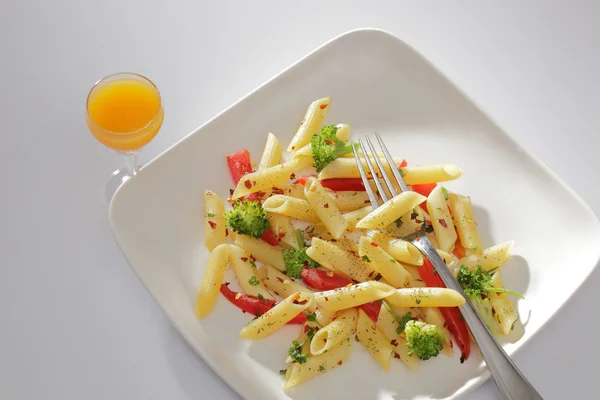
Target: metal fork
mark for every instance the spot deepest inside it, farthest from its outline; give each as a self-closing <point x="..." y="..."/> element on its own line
<point x="510" y="381"/>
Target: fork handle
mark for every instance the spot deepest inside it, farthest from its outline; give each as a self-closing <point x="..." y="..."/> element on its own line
<point x="510" y="381"/>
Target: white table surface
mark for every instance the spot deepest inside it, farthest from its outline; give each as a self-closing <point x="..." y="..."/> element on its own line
<point x="75" y="321"/>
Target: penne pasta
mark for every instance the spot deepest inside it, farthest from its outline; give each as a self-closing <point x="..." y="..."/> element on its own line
<point x="441" y="219"/>
<point x="348" y="200"/>
<point x="292" y="207"/>
<point x="246" y="272"/>
<point x="271" y="155"/>
<point x="282" y="228"/>
<point x="214" y="220"/>
<point x="426" y="297"/>
<point x="400" y="249"/>
<point x="377" y="344"/>
<point x="433" y="316"/>
<point x="276" y="317"/>
<point x="383" y="263"/>
<point x="504" y="309"/>
<point x="337" y="260"/>
<point x="321" y="364"/>
<point x="389" y="327"/>
<point x="464" y="220"/>
<point x="325" y="208"/>
<point x="265" y="179"/>
<point x="292" y="190"/>
<point x="332" y="334"/>
<point x="281" y="284"/>
<point x="449" y="259"/>
<point x="490" y="258"/>
<point x="353" y="217"/>
<point x="430" y="173"/>
<point x="347" y="168"/>
<point x="213" y="277"/>
<point x="315" y="114"/>
<point x="353" y="296"/>
<point x="261" y="251"/>
<point x="406" y="225"/>
<point x="391" y="210"/>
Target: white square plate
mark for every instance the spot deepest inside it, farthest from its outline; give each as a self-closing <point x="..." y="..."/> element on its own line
<point x="378" y="83"/>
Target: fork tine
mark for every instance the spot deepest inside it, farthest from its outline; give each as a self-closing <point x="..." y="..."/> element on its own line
<point x="384" y="174"/>
<point x="373" y="171"/>
<point x="393" y="167"/>
<point x="363" y="176"/>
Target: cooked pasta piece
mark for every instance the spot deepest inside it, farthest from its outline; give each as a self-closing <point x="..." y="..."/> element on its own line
<point x="377" y="344"/>
<point x="348" y="200"/>
<point x="352" y="296"/>
<point x="282" y="228"/>
<point x="318" y="365"/>
<point x="388" y="325"/>
<point x="441" y="219"/>
<point x="464" y="220"/>
<point x="347" y="168"/>
<point x="213" y="277"/>
<point x="492" y="257"/>
<point x="353" y="217"/>
<point x="292" y="190"/>
<point x="337" y="260"/>
<point x="214" y="220"/>
<point x="433" y="316"/>
<point x="265" y="179"/>
<point x="271" y="155"/>
<point x="281" y="284"/>
<point x="276" y="317"/>
<point x="504" y="309"/>
<point x="246" y="272"/>
<point x="383" y="263"/>
<point x="422" y="174"/>
<point x="292" y="207"/>
<point x="313" y="119"/>
<point x="391" y="210"/>
<point x="400" y="249"/>
<point x="332" y="334"/>
<point x="325" y="208"/>
<point x="450" y="259"/>
<point x="262" y="251"/>
<point x="408" y="224"/>
<point x="426" y="297"/>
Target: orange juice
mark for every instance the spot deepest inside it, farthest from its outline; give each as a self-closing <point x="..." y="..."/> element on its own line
<point x="124" y="114"/>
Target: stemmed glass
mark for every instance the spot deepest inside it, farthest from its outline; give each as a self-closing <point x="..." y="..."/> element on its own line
<point x="124" y="112"/>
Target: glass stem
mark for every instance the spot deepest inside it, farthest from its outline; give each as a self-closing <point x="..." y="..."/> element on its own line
<point x="130" y="163"/>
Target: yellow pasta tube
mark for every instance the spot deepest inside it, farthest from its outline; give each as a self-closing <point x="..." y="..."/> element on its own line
<point x="408" y="224"/>
<point x="282" y="228"/>
<point x="292" y="207"/>
<point x="492" y="257"/>
<point x="353" y="295"/>
<point x="271" y="155"/>
<point x="353" y="217"/>
<point x="391" y="210"/>
<point x="276" y="317"/>
<point x="318" y="365"/>
<point x="267" y="178"/>
<point x="441" y="219"/>
<point x="422" y="174"/>
<point x="335" y="332"/>
<point x="313" y="119"/>
<point x="504" y="309"/>
<point x="214" y="220"/>
<point x="347" y="168"/>
<point x="337" y="260"/>
<point x="388" y="325"/>
<point x="433" y="316"/>
<point x="246" y="272"/>
<point x="281" y="284"/>
<point x="292" y="190"/>
<point x="213" y="277"/>
<point x="325" y="208"/>
<point x="391" y="270"/>
<point x="349" y="200"/>
<point x="400" y="249"/>
<point x="464" y="220"/>
<point x="377" y="344"/>
<point x="426" y="297"/>
<point x="262" y="251"/>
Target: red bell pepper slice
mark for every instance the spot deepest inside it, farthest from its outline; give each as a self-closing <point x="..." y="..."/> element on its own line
<point x="454" y="319"/>
<point x="424" y="189"/>
<point x="459" y="251"/>
<point x="344" y="184"/>
<point x="254" y="305"/>
<point x="372" y="309"/>
<point x="270" y="238"/>
<point x="302" y="180"/>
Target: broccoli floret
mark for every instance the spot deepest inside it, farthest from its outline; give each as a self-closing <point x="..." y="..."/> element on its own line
<point x="296" y="259"/>
<point x="248" y="218"/>
<point x="326" y="147"/>
<point x="423" y="339"/>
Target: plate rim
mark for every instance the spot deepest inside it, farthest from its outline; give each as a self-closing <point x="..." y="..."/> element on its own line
<point x="479" y="380"/>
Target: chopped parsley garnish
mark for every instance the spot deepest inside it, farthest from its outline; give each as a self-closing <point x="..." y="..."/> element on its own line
<point x="210" y="215"/>
<point x="365" y="259"/>
<point x="253" y="281"/>
<point x="282" y="372"/>
<point x="445" y="191"/>
<point x="401" y="320"/>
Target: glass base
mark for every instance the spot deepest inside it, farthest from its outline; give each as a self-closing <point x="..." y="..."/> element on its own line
<point x="115" y="181"/>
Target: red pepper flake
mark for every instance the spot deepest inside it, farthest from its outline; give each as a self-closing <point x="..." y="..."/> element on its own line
<point x="367" y="201"/>
<point x="329" y="142"/>
<point x="294" y="147"/>
<point x="300" y="302"/>
<point x="339" y="362"/>
<point x="281" y="235"/>
<point x="277" y="190"/>
<point x="252" y="257"/>
<point x="293" y="176"/>
<point x="374" y="244"/>
<point x="333" y="240"/>
<point x="247" y="183"/>
<point x="443" y="222"/>
<point x="326" y="298"/>
<point x="326" y="205"/>
<point x="322" y="107"/>
<point x="413" y="215"/>
<point x="371" y="274"/>
<point x="226" y="232"/>
<point x="394" y="342"/>
<point x="396" y="355"/>
<point x="212" y="224"/>
<point x="280" y="279"/>
<point x="306" y="328"/>
<point x="244" y="259"/>
<point x="231" y="192"/>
